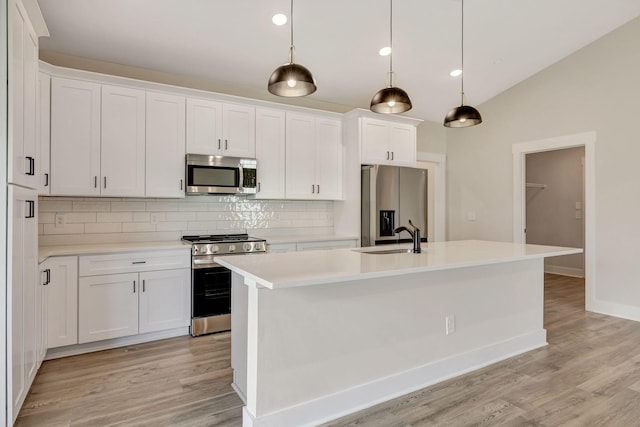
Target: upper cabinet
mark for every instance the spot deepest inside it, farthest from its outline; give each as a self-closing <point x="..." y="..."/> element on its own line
<point x="221" y="129"/>
<point x="122" y="146"/>
<point x="22" y="164"/>
<point x="97" y="139"/>
<point x="165" y="145"/>
<point x="270" y="153"/>
<point x="387" y="143"/>
<point x="75" y="137"/>
<point x="43" y="139"/>
<point x="313" y="157"/>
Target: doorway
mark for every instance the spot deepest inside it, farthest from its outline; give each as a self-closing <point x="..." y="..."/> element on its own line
<point x="586" y="140"/>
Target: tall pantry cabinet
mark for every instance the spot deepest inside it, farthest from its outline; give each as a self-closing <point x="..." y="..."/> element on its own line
<point x="24" y="344"/>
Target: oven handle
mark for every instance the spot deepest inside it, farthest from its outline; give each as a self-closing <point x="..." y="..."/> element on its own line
<point x="207" y="262"/>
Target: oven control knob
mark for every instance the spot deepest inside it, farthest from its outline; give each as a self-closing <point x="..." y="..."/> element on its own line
<point x="232" y="248"/>
<point x="259" y="246"/>
<point x="195" y="250"/>
<point x="214" y="248"/>
<point x="246" y="247"/>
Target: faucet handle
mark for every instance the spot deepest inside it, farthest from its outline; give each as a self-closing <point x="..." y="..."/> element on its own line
<point x="413" y="226"/>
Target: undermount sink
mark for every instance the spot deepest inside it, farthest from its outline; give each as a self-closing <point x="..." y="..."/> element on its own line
<point x="387" y="251"/>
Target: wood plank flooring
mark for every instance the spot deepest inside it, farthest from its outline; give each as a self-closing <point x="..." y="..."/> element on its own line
<point x="589" y="375"/>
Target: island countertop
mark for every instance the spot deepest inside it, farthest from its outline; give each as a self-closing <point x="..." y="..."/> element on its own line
<point x="294" y="269"/>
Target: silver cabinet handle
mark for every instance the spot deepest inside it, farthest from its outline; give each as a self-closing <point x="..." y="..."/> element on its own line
<point x="31" y="211"/>
<point x="134" y="286"/>
<point x="46" y="182"/>
<point x="47" y="273"/>
<point x="226" y="144"/>
<point x="258" y="187"/>
<point x="95" y="181"/>
<point x="387" y="155"/>
<point x="392" y="155"/>
<point x="105" y="182"/>
<point x="31" y="166"/>
<point x="180" y="184"/>
<point x="313" y="189"/>
<point x="318" y="188"/>
<point x="144" y="288"/>
<point x="138" y="262"/>
<point x="218" y="144"/>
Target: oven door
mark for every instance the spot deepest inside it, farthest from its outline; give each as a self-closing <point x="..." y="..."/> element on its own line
<point x="211" y="290"/>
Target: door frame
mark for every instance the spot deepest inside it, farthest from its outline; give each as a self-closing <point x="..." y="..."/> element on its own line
<point x="520" y="150"/>
<point x="438" y="174"/>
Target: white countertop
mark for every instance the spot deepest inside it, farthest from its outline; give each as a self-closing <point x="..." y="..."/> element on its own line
<point x="293" y="269"/>
<point x="274" y="240"/>
<point x="102" y="248"/>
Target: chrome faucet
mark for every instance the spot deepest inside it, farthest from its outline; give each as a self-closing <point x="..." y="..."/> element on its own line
<point x="415" y="235"/>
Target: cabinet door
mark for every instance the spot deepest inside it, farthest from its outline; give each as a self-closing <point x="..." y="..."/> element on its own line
<point x="375" y="142"/>
<point x="21" y="293"/>
<point x="165" y="300"/>
<point x="165" y="146"/>
<point x="300" y="157"/>
<point x="403" y="144"/>
<point x="328" y="159"/>
<point x="238" y="130"/>
<point x="22" y="163"/>
<point x="75" y="137"/>
<point x="107" y="307"/>
<point x="44" y="134"/>
<point x="122" y="141"/>
<point x="204" y="126"/>
<point x="61" y="295"/>
<point x="270" y="153"/>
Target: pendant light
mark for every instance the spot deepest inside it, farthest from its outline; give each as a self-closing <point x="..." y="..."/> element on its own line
<point x="464" y="115"/>
<point x="291" y="79"/>
<point x="391" y="99"/>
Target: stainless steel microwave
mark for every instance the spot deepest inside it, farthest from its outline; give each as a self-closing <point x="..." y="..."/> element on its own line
<point x="220" y="175"/>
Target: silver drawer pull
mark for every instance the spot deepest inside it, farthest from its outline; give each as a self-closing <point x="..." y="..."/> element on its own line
<point x="139" y="262"/>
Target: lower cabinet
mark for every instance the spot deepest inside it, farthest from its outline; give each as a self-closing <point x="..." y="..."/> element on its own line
<point x="311" y="245"/>
<point x="60" y="300"/>
<point x="118" y="305"/>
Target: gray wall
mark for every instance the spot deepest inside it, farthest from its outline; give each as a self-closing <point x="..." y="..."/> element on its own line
<point x="553" y="218"/>
<point x="595" y="89"/>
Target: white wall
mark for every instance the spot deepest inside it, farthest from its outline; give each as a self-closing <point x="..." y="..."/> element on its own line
<point x="115" y="220"/>
<point x="552" y="216"/>
<point x="595" y="89"/>
<point x="3" y="213"/>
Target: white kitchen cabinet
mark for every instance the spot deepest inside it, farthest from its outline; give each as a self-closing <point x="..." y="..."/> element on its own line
<point x="61" y="296"/>
<point x="270" y="153"/>
<point x="122" y="146"/>
<point x="221" y="129"/>
<point x="387" y="143"/>
<point x="22" y="150"/>
<point x="108" y="307"/>
<point x="128" y="293"/>
<point x="165" y="145"/>
<point x="327" y="244"/>
<point x="313" y="157"/>
<point x="281" y="247"/>
<point x="23" y="294"/>
<point x="164" y="300"/>
<point x="75" y="137"/>
<point x="43" y="139"/>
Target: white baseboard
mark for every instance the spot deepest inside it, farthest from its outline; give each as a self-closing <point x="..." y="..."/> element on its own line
<point x="72" y="350"/>
<point x="363" y="396"/>
<point x="614" y="309"/>
<point x="564" y="271"/>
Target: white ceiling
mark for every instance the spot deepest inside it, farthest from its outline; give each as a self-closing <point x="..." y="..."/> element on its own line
<point x="234" y="41"/>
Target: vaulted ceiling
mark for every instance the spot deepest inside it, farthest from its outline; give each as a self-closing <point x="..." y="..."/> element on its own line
<point x="235" y="43"/>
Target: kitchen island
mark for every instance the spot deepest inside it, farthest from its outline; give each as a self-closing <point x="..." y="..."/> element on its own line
<point x="317" y="335"/>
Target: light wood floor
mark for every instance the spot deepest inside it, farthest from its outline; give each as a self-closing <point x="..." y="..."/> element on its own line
<point x="589" y="375"/>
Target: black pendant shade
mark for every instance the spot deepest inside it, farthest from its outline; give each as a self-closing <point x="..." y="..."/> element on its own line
<point x="291" y="80"/>
<point x="462" y="116"/>
<point x="390" y="100"/>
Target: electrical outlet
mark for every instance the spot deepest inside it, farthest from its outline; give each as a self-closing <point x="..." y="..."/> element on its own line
<point x="450" y="324"/>
<point x="60" y="220"/>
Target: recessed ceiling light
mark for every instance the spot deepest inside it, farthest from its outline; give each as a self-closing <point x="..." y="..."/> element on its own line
<point x="455" y="73"/>
<point x="279" y="19"/>
<point x="385" y="51"/>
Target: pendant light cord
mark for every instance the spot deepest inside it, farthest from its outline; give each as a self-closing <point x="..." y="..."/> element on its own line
<point x="291" y="48"/>
<point x="461" y="56"/>
<point x="391" y="43"/>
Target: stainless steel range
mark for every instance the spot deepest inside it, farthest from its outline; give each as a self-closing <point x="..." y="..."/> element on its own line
<point x="211" y="282"/>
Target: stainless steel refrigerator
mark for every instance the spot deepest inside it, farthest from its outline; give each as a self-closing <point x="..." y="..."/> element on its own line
<point x="391" y="196"/>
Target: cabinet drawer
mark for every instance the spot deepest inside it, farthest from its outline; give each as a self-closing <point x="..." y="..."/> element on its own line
<point x="132" y="262"/>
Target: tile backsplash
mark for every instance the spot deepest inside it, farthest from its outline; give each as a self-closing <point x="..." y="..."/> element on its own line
<point x="115" y="220"/>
